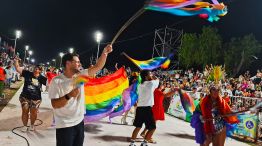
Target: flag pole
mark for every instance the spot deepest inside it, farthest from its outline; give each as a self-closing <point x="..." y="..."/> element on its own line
<point x="136" y="15"/>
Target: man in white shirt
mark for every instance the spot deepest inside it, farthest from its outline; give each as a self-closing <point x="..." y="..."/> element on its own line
<point x="68" y="99"/>
<point x="145" y="103"/>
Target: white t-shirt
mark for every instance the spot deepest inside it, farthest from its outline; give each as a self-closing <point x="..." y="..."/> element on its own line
<point x="146" y="93"/>
<point x="73" y="112"/>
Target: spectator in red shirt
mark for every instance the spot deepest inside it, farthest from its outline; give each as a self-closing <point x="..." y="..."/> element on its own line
<point x="227" y="98"/>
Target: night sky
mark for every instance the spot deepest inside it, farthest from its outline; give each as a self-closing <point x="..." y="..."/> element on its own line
<point x="52" y="26"/>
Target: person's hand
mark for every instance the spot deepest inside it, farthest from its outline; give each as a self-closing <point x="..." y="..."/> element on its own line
<point x="16" y="58"/>
<point x="74" y="93"/>
<point x="108" y="49"/>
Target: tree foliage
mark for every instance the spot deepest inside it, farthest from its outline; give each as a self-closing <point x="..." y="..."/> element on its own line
<point x="208" y="48"/>
<point x="240" y="53"/>
<point x="187" y="53"/>
<point x="199" y="50"/>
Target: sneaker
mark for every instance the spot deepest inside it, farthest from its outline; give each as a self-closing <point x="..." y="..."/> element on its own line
<point x="32" y="128"/>
<point x="132" y="144"/>
<point x="143" y="144"/>
<point x="24" y="129"/>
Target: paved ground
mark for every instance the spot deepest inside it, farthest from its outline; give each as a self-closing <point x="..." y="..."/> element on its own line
<point x="171" y="132"/>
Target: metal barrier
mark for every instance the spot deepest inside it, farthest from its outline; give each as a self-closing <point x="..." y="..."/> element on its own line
<point x="244" y="102"/>
<point x="240" y="103"/>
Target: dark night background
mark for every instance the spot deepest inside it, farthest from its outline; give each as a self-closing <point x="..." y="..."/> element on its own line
<point x="52" y="26"/>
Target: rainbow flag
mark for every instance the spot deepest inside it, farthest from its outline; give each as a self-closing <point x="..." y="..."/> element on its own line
<point x="187" y="103"/>
<point x="102" y="95"/>
<point x="130" y="97"/>
<point x="151" y="64"/>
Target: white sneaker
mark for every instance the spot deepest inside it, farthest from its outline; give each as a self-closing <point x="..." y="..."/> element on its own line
<point x="24" y="129"/>
<point x="32" y="128"/>
<point x="132" y="144"/>
<point x="143" y="144"/>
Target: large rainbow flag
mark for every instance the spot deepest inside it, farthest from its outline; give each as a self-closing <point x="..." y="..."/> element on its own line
<point x="103" y="95"/>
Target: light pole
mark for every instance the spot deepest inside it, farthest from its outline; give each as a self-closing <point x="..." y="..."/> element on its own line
<point x="26" y="49"/>
<point x="47" y="64"/>
<point x="27" y="58"/>
<point x="98" y="37"/>
<point x="18" y="34"/>
<point x="61" y="54"/>
<point x="33" y="61"/>
<point x="30" y="52"/>
<point x="54" y="61"/>
<point x="71" y="50"/>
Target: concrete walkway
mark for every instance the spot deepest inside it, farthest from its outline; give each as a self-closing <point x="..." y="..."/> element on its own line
<point x="171" y="132"/>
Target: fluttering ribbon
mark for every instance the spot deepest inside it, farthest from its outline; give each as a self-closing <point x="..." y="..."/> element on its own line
<point x="190" y="8"/>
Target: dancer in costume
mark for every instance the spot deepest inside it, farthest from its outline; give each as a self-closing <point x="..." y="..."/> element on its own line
<point x="213" y="107"/>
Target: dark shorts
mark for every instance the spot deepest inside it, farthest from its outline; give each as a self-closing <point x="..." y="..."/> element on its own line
<point x="70" y="136"/>
<point x="144" y="115"/>
<point x="29" y="103"/>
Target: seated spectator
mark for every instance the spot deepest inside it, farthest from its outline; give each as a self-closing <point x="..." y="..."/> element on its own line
<point x="245" y="93"/>
<point x="238" y="92"/>
<point x="227" y="98"/>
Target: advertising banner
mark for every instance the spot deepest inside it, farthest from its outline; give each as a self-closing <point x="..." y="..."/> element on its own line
<point x="247" y="126"/>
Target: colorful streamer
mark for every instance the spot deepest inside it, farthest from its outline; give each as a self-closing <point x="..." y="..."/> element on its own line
<point x="102" y="95"/>
<point x="181" y="8"/>
<point x="169" y="4"/>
